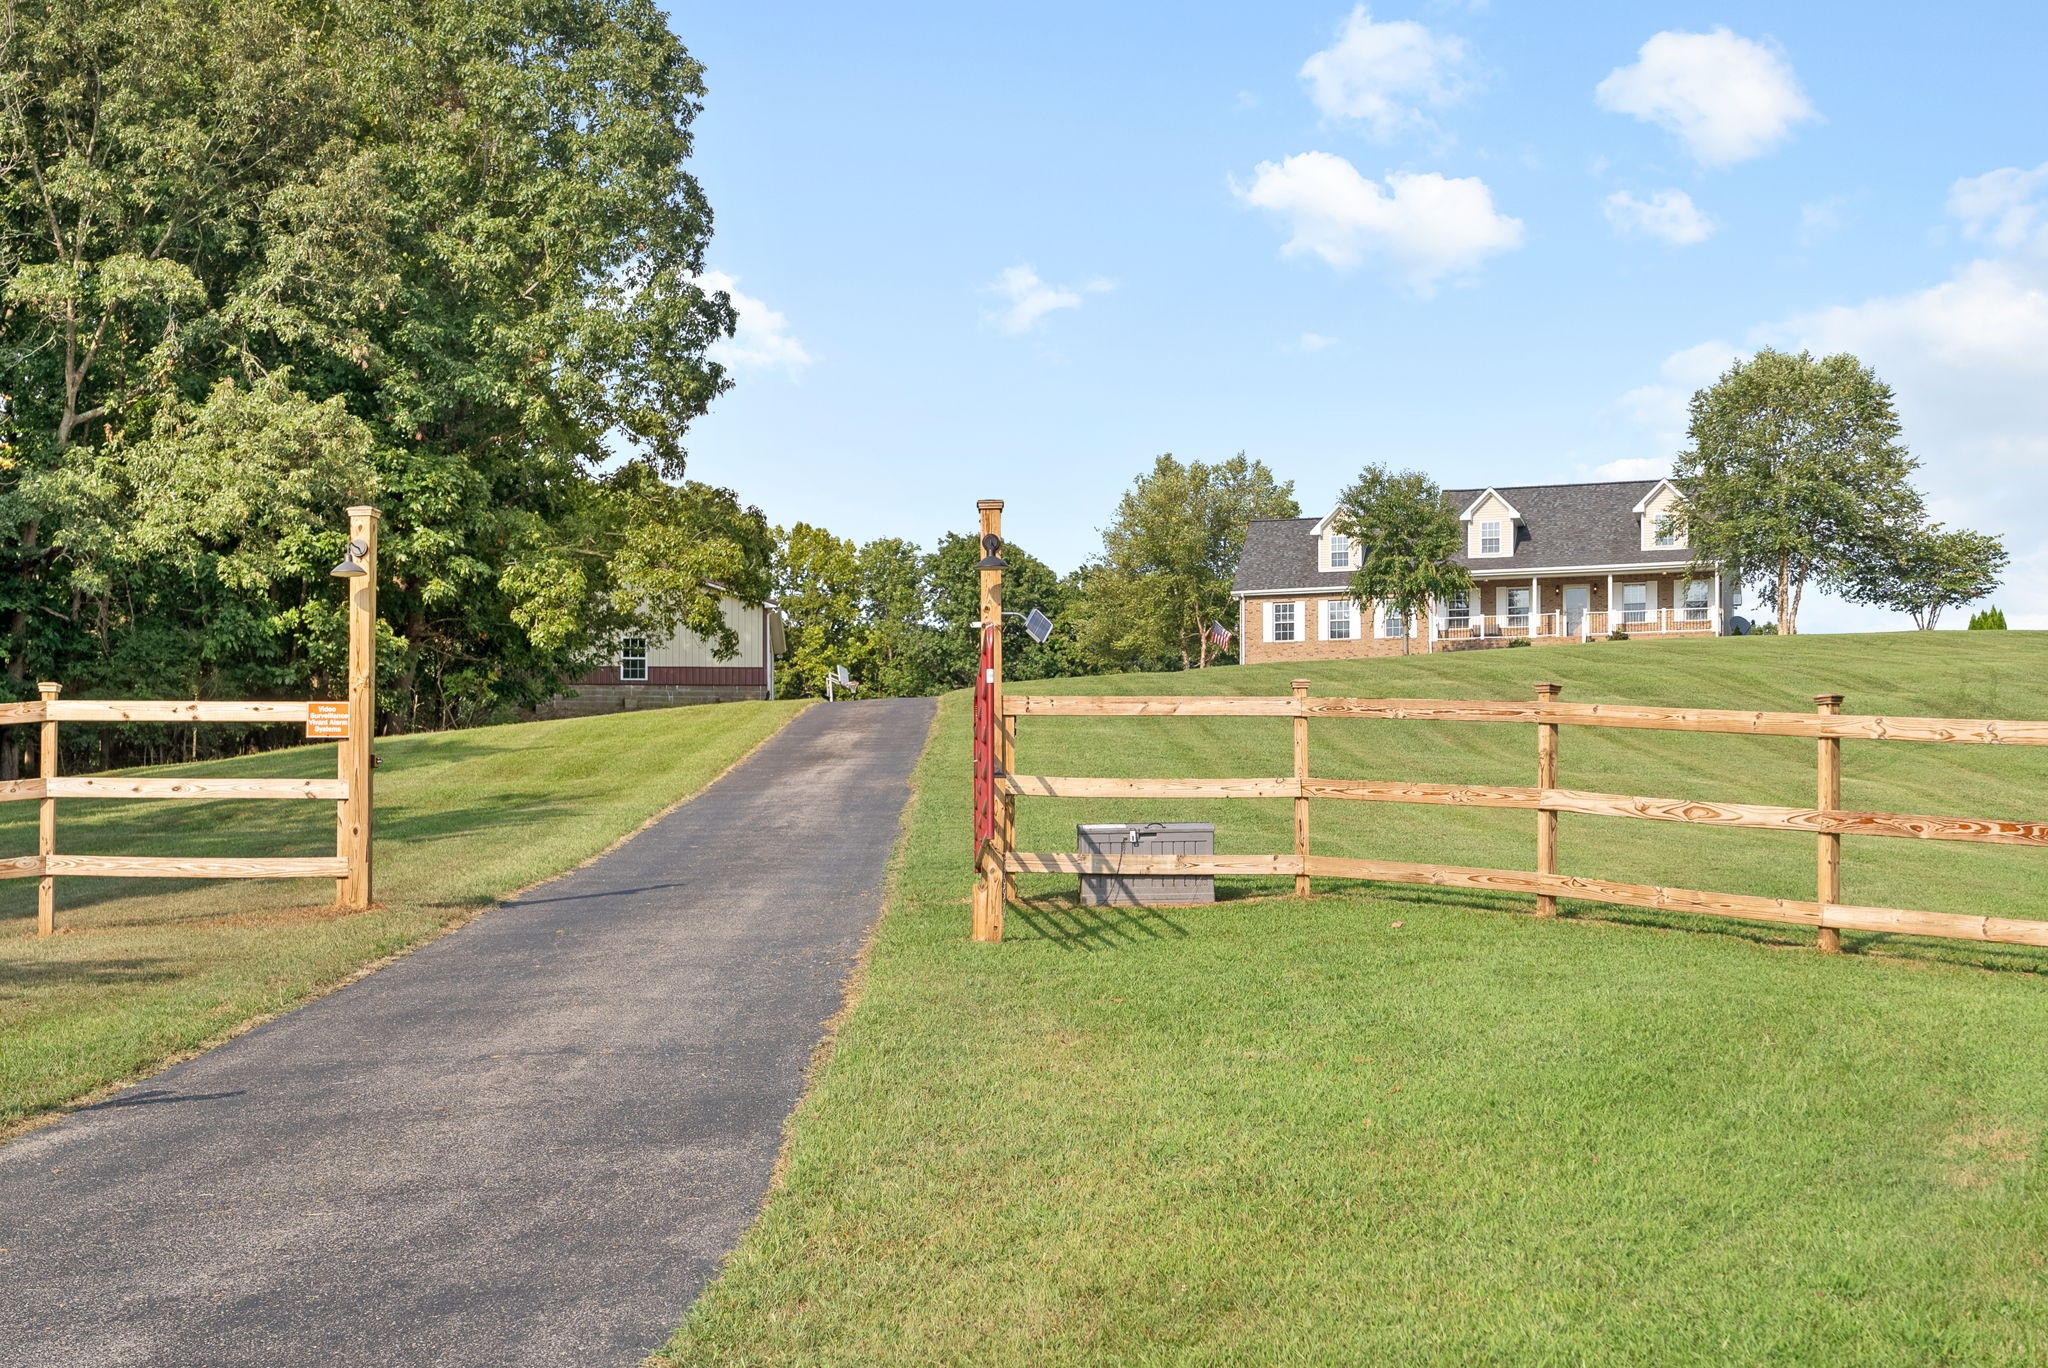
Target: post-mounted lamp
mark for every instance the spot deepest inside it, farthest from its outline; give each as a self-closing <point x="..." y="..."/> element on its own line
<point x="352" y="560"/>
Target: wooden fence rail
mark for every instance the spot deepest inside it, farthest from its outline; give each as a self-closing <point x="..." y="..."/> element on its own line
<point x="352" y="723"/>
<point x="1828" y="821"/>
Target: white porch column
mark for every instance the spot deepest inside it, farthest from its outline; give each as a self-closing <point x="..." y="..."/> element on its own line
<point x="1609" y="615"/>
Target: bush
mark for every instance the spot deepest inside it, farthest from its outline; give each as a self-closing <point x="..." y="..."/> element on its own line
<point x="1990" y="620"/>
<point x="1618" y="634"/>
<point x="1518" y="641"/>
<point x="1764" y="629"/>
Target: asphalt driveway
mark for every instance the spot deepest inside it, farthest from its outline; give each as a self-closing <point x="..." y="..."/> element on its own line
<point x="528" y="1143"/>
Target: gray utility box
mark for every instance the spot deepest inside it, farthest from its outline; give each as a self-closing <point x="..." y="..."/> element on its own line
<point x="1111" y="839"/>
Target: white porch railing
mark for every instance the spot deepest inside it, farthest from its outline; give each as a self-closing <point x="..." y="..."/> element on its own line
<point x="1580" y="626"/>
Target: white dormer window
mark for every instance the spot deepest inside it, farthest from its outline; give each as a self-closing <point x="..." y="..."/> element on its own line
<point x="1489" y="539"/>
<point x="1340" y="551"/>
<point x="1663" y="535"/>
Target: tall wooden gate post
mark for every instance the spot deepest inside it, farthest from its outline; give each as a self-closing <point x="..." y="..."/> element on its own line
<point x="46" y="814"/>
<point x="356" y="759"/>
<point x="1546" y="818"/>
<point x="992" y="884"/>
<point x="1300" y="689"/>
<point x="1830" y="883"/>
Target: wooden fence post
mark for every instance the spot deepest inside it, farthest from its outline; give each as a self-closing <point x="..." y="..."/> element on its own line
<point x="1830" y="884"/>
<point x="993" y="886"/>
<point x="356" y="758"/>
<point x="1301" y="798"/>
<point x="1546" y="778"/>
<point x="46" y="812"/>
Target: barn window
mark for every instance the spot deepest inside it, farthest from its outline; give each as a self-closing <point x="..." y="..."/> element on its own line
<point x="633" y="660"/>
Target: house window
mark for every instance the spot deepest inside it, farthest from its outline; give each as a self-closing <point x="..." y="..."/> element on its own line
<point x="1489" y="539"/>
<point x="1663" y="534"/>
<point x="1340" y="551"/>
<point x="1518" y="607"/>
<point x="1280" y="622"/>
<point x="1393" y="625"/>
<point x="1337" y="620"/>
<point x="1635" y="603"/>
<point x="1696" y="598"/>
<point x="633" y="660"/>
<point x="1458" y="612"/>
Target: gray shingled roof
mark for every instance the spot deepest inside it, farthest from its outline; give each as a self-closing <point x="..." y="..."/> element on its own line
<point x="1571" y="524"/>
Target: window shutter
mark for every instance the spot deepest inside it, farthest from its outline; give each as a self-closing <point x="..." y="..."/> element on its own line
<point x="1301" y="621"/>
<point x="1269" y="619"/>
<point x="1323" y="619"/>
<point x="1650" y="595"/>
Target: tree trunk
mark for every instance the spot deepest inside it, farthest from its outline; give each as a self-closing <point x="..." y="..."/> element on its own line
<point x="1786" y="611"/>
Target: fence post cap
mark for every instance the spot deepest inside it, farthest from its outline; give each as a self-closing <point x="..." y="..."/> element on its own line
<point x="1299" y="685"/>
<point x="1828" y="700"/>
<point x="364" y="511"/>
<point x="49" y="690"/>
<point x="988" y="504"/>
<point x="1549" y="690"/>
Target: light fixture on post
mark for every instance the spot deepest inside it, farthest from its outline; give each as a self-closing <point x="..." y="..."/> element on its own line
<point x="352" y="561"/>
<point x="992" y="554"/>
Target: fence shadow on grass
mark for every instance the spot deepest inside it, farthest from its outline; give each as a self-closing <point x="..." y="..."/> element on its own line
<point x="1061" y="920"/>
<point x="34" y="975"/>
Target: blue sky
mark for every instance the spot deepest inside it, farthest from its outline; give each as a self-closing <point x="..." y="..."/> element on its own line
<point x="1017" y="252"/>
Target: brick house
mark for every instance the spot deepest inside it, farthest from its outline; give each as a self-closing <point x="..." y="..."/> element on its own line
<point x="1550" y="564"/>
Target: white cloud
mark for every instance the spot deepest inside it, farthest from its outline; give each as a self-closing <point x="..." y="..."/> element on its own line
<point x="2001" y="207"/>
<point x="1315" y="342"/>
<point x="1728" y="98"/>
<point x="1635" y="468"/>
<point x="1663" y="409"/>
<point x="1427" y="227"/>
<point x="1669" y="215"/>
<point x="762" y="341"/>
<point x="1968" y="360"/>
<point x="1820" y="219"/>
<point x="1032" y="298"/>
<point x="1381" y="74"/>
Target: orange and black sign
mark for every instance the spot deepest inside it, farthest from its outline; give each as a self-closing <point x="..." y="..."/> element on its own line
<point x="328" y="720"/>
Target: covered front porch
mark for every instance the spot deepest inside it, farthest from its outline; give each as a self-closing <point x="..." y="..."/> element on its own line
<point x="1555" y="608"/>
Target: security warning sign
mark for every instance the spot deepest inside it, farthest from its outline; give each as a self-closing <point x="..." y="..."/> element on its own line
<point x="327" y="719"/>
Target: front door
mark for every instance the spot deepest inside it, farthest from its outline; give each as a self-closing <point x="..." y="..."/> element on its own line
<point x="1577" y="599"/>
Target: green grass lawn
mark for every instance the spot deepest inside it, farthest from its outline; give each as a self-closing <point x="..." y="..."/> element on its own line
<point x="1398" y="1125"/>
<point x="143" y="971"/>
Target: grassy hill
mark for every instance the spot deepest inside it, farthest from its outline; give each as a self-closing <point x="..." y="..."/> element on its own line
<point x="1394" y="1124"/>
<point x="143" y="971"/>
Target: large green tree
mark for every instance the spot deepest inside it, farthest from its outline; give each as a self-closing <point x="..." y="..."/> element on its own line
<point x="290" y="254"/>
<point x="1403" y="540"/>
<point x="818" y="590"/>
<point x="1793" y="463"/>
<point x="1168" y="560"/>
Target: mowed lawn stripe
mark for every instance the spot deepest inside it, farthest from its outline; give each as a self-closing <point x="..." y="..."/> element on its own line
<point x="1408" y="1125"/>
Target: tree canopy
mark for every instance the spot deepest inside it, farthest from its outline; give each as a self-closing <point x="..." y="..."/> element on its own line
<point x="1403" y="540"/>
<point x="1792" y="462"/>
<point x="1168" y="560"/>
<point x="265" y="258"/>
<point x="1922" y="567"/>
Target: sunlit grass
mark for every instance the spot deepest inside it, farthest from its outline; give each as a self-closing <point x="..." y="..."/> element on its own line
<point x="1403" y="1125"/>
<point x="144" y="970"/>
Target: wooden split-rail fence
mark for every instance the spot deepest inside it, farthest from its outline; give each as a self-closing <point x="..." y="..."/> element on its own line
<point x="350" y="722"/>
<point x="998" y="860"/>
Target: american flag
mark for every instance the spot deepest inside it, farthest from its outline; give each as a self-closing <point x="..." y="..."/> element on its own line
<point x="1219" y="634"/>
